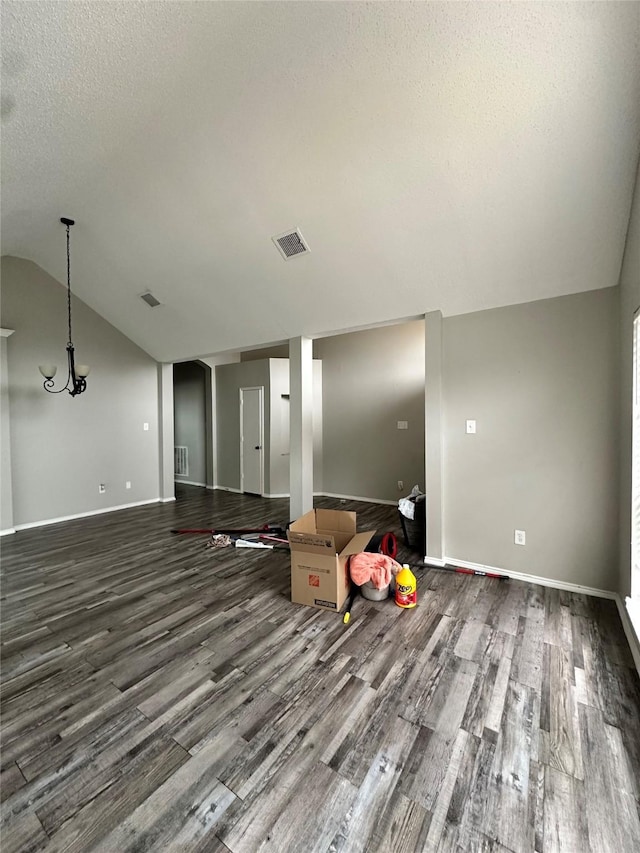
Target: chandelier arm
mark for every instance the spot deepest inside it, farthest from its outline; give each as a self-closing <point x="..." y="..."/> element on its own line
<point x="49" y="383"/>
<point x="48" y="386"/>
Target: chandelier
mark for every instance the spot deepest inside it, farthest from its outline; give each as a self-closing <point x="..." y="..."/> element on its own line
<point x="77" y="376"/>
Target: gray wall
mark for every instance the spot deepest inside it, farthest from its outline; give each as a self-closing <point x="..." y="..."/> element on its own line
<point x="371" y="380"/>
<point x="63" y="447"/>
<point x="189" y="418"/>
<point x="629" y="304"/>
<point x="542" y="381"/>
<point x="229" y="379"/>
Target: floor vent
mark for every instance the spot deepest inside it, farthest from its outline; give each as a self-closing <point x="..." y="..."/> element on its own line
<point x="150" y="299"/>
<point x="181" y="461"/>
<point x="291" y="244"/>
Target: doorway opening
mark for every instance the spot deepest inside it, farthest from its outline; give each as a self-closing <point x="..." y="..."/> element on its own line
<point x="192" y="424"/>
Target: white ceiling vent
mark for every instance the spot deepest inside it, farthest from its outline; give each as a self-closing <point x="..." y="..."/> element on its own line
<point x="150" y="299"/>
<point x="291" y="244"/>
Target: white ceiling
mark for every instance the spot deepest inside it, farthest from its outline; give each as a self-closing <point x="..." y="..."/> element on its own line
<point x="457" y="156"/>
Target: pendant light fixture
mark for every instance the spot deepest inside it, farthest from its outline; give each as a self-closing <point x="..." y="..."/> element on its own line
<point x="77" y="376"/>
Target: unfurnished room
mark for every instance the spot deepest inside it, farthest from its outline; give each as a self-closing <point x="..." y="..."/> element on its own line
<point x="320" y="427"/>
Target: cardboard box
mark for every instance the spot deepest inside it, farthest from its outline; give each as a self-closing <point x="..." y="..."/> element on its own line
<point x="321" y="543"/>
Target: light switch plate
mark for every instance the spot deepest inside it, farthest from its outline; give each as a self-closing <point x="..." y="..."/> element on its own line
<point x="471" y="427"/>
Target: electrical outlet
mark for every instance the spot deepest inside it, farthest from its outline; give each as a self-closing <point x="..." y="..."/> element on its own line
<point x="102" y="489"/>
<point x="403" y="424"/>
<point x="127" y="485"/>
<point x="519" y="537"/>
<point x="145" y="427"/>
<point x="400" y="485"/>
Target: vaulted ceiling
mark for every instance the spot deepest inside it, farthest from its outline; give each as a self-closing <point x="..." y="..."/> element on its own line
<point x="452" y="156"/>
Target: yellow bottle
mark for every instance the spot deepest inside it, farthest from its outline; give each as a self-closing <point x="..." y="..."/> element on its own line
<point x="406" y="592"/>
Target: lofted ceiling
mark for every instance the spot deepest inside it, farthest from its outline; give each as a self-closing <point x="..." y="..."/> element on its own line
<point x="453" y="156"/>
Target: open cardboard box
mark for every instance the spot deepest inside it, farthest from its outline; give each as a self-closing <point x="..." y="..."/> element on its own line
<point x="321" y="542"/>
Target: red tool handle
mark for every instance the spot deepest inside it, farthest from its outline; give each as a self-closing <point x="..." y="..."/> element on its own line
<point x="481" y="573"/>
<point x="267" y="528"/>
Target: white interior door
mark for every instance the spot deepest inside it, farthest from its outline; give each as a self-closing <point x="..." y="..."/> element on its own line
<point x="251" y="440"/>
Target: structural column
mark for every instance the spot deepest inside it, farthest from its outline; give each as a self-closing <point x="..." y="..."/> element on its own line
<point x="433" y="425"/>
<point x="165" y="431"/>
<point x="301" y="426"/>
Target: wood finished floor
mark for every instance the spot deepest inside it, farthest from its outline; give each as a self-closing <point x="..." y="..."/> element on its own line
<point x="161" y="695"/>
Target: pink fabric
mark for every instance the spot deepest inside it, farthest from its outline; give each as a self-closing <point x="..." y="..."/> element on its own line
<point x="377" y="568"/>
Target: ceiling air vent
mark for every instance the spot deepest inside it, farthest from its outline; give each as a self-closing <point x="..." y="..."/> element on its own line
<point x="150" y="299"/>
<point x="291" y="244"/>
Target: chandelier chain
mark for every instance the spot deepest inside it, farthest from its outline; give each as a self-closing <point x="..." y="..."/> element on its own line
<point x="69" y="284"/>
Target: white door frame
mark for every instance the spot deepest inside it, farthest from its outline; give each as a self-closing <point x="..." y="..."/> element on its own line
<point x="635" y="461"/>
<point x="260" y="389"/>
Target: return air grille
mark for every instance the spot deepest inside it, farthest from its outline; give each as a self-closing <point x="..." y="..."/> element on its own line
<point x="291" y="244"/>
<point x="150" y="299"/>
<point x="181" y="461"/>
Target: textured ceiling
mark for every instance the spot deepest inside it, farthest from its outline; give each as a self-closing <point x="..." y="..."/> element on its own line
<point x="457" y="156"/>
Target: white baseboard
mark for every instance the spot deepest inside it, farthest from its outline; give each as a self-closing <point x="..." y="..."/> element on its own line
<point x="521" y="576"/>
<point x="354" y="498"/>
<point x="283" y="495"/>
<point x="8" y="531"/>
<point x="190" y="483"/>
<point x="625" y="609"/>
<point x="437" y="562"/>
<point x="166" y="500"/>
<point x="229" y="489"/>
<point x="62" y="518"/>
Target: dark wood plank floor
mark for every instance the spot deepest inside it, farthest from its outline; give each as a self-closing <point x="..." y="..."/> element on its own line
<point x="161" y="695"/>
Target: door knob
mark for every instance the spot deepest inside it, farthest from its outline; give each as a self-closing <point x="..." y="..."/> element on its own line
<point x="258" y="447"/>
